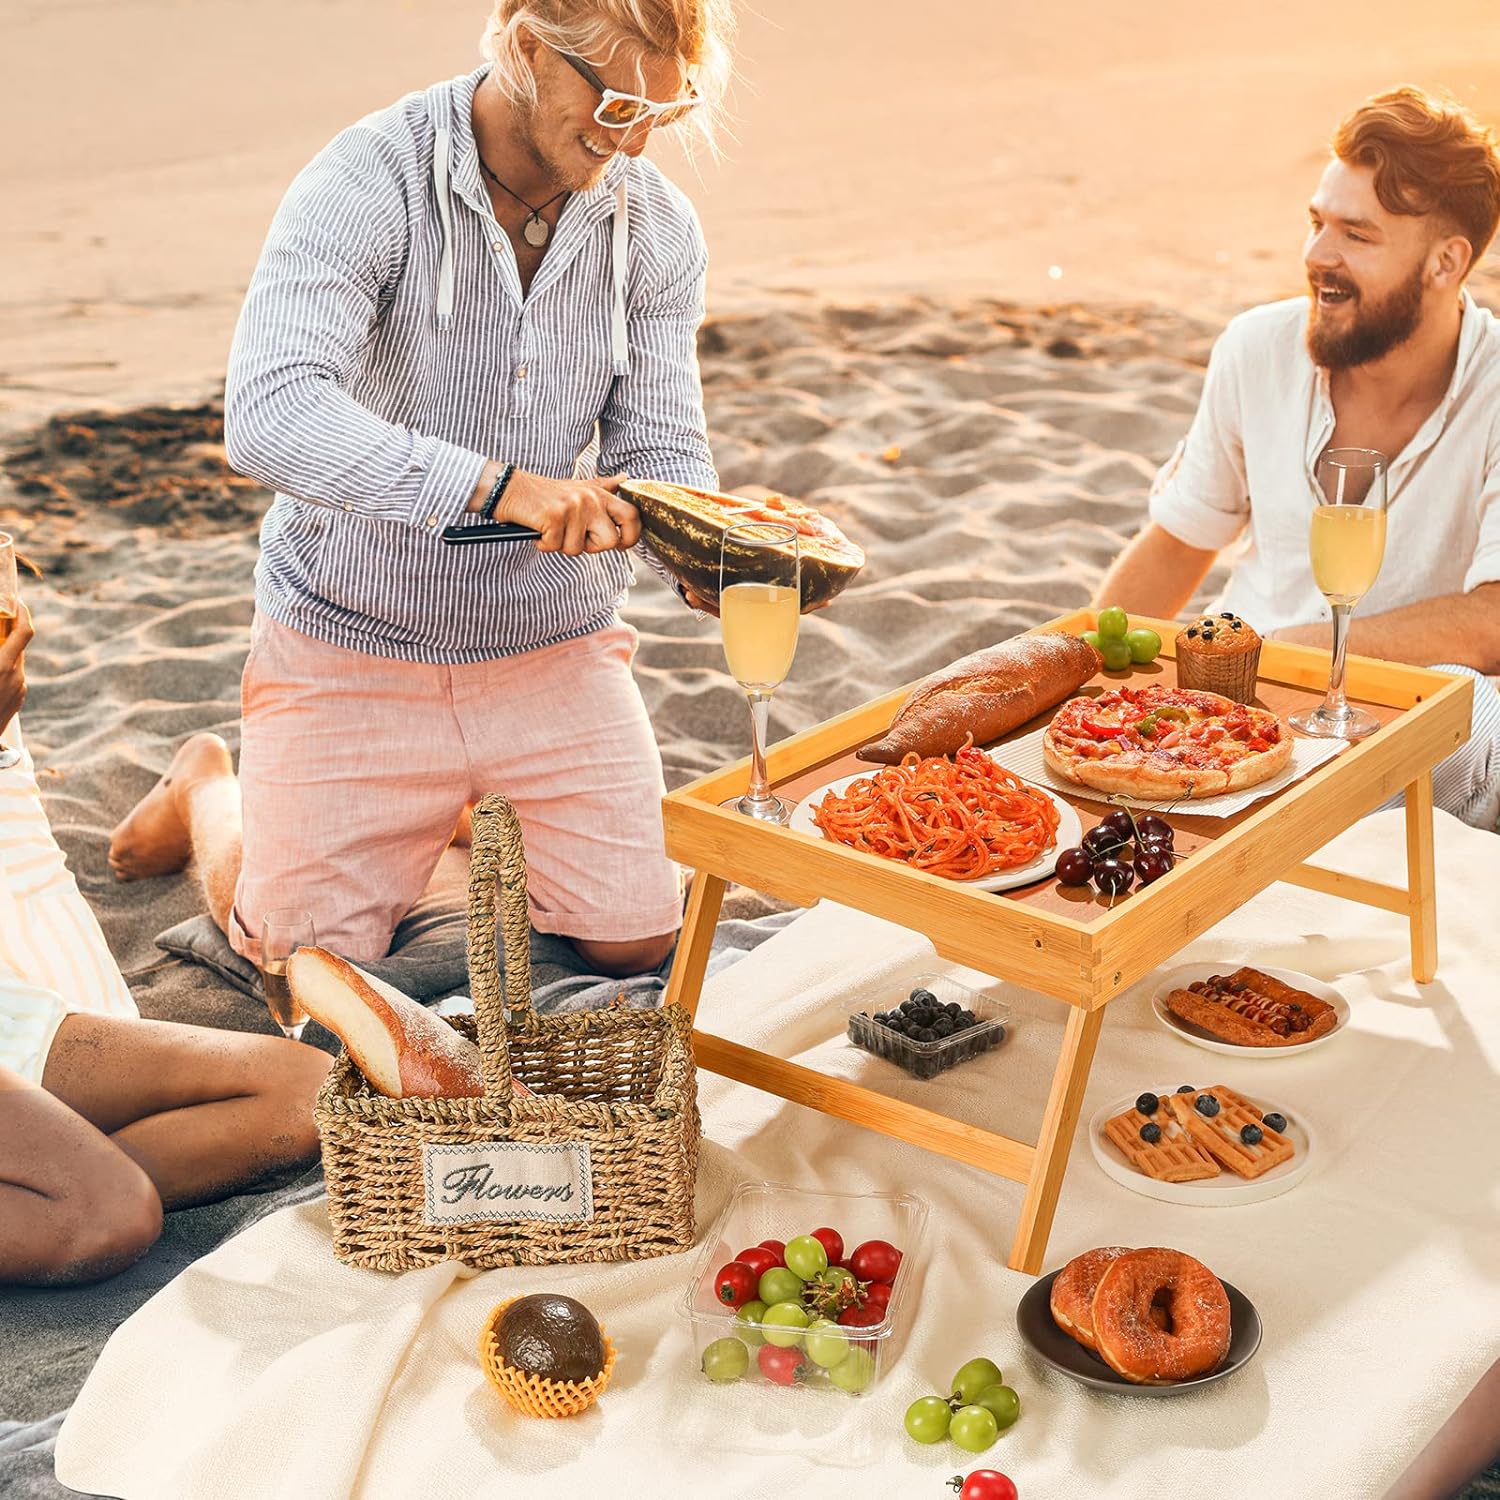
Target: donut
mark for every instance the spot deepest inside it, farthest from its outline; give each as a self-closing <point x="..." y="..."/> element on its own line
<point x="1196" y="1337"/>
<point x="1073" y="1292"/>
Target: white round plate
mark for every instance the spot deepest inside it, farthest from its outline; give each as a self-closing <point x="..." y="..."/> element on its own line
<point x="1208" y="1192"/>
<point x="1069" y="833"/>
<point x="1184" y="975"/>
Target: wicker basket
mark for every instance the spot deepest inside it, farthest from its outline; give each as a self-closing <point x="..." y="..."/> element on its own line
<point x="596" y="1162"/>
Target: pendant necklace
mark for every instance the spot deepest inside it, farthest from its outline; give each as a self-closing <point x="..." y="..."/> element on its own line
<point x="535" y="230"/>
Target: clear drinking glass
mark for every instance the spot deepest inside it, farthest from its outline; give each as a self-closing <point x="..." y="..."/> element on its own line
<point x="10" y="612"/>
<point x="1347" y="543"/>
<point x="282" y="933"/>
<point x="760" y="605"/>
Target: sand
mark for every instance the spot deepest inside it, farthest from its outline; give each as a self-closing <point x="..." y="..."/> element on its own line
<point x="1084" y="149"/>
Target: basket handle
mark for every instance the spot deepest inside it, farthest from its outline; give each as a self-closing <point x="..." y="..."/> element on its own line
<point x="498" y="856"/>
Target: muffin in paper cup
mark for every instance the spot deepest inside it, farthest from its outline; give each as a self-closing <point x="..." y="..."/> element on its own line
<point x="532" y="1395"/>
<point x="1219" y="654"/>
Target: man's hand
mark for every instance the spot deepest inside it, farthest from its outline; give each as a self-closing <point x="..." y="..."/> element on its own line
<point x="574" y="516"/>
<point x="13" y="667"/>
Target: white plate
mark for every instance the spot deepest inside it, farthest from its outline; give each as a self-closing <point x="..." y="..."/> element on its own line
<point x="1208" y="1192"/>
<point x="1069" y="833"/>
<point x="1185" y="974"/>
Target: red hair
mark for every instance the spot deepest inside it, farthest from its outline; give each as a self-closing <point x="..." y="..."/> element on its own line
<point x="1430" y="156"/>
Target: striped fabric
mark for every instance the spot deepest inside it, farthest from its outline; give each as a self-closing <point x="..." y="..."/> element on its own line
<point x="371" y="412"/>
<point x="53" y="957"/>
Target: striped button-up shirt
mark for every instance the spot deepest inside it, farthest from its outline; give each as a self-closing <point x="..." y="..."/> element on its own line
<point x="386" y="351"/>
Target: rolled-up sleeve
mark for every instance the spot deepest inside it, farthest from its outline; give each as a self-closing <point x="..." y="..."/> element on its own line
<point x="338" y="241"/>
<point x="1202" y="495"/>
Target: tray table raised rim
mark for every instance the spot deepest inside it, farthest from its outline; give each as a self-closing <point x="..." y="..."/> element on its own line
<point x="1084" y="963"/>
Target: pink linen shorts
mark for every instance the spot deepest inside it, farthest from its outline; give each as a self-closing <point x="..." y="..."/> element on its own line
<point x="354" y="769"/>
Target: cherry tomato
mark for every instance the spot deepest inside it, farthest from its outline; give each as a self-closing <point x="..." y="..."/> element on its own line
<point x="875" y="1260"/>
<point x="833" y="1242"/>
<point x="985" y="1484"/>
<point x="759" y="1259"/>
<point x="781" y="1365"/>
<point x="878" y="1295"/>
<point x="777" y="1248"/>
<point x="736" y="1284"/>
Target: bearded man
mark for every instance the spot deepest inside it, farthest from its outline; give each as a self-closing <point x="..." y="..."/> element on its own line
<point x="471" y="305"/>
<point x="1388" y="351"/>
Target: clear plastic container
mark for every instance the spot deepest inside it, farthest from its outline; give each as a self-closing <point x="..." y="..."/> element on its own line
<point x="928" y="1059"/>
<point x="767" y="1210"/>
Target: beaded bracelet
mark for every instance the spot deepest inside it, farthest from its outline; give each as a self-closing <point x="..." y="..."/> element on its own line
<point x="487" y="510"/>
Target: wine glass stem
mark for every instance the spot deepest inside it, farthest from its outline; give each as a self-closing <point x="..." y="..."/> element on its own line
<point x="760" y="722"/>
<point x="1335" y="705"/>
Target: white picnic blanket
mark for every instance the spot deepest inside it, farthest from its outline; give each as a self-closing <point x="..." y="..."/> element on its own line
<point x="267" y="1369"/>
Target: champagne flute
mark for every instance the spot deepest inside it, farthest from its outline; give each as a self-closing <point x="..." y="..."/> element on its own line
<point x="760" y="604"/>
<point x="1347" y="543"/>
<point x="282" y="933"/>
<point x="10" y="612"/>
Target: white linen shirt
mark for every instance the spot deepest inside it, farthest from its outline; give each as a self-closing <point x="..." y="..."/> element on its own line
<point x="1246" y="473"/>
<point x="53" y="957"/>
<point x="386" y="351"/>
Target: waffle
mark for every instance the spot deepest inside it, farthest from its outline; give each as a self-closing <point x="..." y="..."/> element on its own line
<point x="1174" y="1158"/>
<point x="1220" y="1136"/>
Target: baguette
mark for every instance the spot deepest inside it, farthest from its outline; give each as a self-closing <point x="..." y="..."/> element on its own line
<point x="985" y="695"/>
<point x="404" y="1050"/>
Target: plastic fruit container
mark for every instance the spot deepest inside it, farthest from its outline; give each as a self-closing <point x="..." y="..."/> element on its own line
<point x="928" y="1059"/>
<point x="759" y="1211"/>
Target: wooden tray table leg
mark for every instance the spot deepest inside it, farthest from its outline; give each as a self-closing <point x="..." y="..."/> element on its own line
<point x="1058" y="1124"/>
<point x="685" y="987"/>
<point x="1421" y="881"/>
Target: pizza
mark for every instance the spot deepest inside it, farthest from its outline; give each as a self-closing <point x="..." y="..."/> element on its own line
<point x="1165" y="742"/>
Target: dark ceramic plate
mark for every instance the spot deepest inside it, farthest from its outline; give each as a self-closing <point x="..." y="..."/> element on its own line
<point x="1054" y="1347"/>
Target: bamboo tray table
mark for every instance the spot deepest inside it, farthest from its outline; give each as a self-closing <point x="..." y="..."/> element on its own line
<point x="1061" y="941"/>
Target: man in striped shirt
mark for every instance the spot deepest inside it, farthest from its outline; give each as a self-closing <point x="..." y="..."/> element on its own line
<point x="105" y="1118"/>
<point x="474" y="303"/>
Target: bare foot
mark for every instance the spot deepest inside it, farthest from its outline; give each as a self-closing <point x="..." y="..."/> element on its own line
<point x="154" y="838"/>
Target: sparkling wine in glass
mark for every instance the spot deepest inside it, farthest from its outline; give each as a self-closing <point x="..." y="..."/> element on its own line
<point x="760" y="606"/>
<point x="282" y="933"/>
<point x="1347" y="543"/>
<point x="10" y="612"/>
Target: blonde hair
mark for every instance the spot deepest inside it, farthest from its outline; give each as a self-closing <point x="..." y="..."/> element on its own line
<point x="1429" y="156"/>
<point x="697" y="33"/>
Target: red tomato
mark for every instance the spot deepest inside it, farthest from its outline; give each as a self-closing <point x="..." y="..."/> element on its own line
<point x="833" y="1242"/>
<point x="875" y="1260"/>
<point x="862" y="1317"/>
<point x="877" y="1295"/>
<point x="987" y="1484"/>
<point x="777" y="1248"/>
<point x="736" y="1284"/>
<point x="758" y="1259"/>
<point x="781" y="1365"/>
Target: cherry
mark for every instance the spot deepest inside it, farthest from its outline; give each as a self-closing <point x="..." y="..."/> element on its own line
<point x="1101" y="842"/>
<point x="1119" y="823"/>
<point x="1152" y="864"/>
<point x="1113" y="877"/>
<point x="1074" y="867"/>
<point x="1149" y="826"/>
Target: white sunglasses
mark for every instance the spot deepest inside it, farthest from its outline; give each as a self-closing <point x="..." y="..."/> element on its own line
<point x="620" y="111"/>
